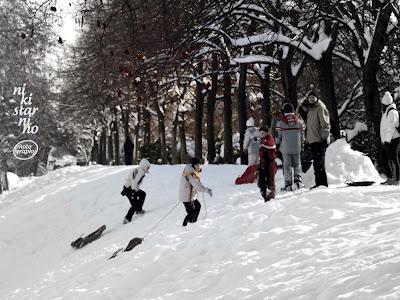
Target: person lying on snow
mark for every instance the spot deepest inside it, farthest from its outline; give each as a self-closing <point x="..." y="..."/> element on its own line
<point x="267" y="167"/>
<point x="190" y="185"/>
<point x="132" y="189"/>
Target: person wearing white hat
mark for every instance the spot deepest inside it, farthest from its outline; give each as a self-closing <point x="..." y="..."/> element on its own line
<point x="390" y="138"/>
<point x="251" y="142"/>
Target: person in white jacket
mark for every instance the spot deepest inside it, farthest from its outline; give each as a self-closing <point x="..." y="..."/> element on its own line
<point x="132" y="189"/>
<point x="390" y="138"/>
<point x="251" y="143"/>
<point x="189" y="186"/>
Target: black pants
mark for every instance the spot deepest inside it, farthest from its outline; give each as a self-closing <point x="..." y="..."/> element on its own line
<point x="193" y="210"/>
<point x="318" y="152"/>
<point x="136" y="199"/>
<point x="391" y="159"/>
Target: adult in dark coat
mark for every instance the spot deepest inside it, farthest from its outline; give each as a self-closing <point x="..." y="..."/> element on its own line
<point x="128" y="151"/>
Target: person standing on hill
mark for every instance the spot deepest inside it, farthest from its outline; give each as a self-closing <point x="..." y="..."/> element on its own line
<point x="190" y="185"/>
<point x="317" y="135"/>
<point x="132" y="189"/>
<point x="267" y="167"/>
<point x="128" y="151"/>
<point x="251" y="142"/>
<point x="290" y="138"/>
<point x="390" y="138"/>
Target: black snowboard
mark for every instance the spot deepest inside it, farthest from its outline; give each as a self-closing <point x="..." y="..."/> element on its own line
<point x="132" y="244"/>
<point x="82" y="241"/>
<point x="359" y="183"/>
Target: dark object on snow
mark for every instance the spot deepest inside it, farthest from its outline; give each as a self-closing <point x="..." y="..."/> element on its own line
<point x="128" y="151"/>
<point x="23" y="36"/>
<point x="250" y="175"/>
<point x="53" y="8"/>
<point x="82" y="241"/>
<point x="60" y="40"/>
<point x="359" y="183"/>
<point x="132" y="244"/>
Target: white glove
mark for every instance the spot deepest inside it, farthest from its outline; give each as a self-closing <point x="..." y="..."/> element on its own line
<point x="209" y="191"/>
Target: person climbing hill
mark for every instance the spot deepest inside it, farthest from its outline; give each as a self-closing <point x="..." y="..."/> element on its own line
<point x="132" y="189"/>
<point x="190" y="185"/>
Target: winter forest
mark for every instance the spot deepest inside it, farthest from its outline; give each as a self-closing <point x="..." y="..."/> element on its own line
<point x="180" y="78"/>
<point x="202" y="150"/>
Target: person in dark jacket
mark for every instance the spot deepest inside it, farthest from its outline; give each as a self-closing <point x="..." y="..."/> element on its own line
<point x="267" y="167"/>
<point x="128" y="151"/>
<point x="317" y="135"/>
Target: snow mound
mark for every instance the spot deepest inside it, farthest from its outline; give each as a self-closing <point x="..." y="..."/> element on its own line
<point x="14" y="181"/>
<point x="343" y="163"/>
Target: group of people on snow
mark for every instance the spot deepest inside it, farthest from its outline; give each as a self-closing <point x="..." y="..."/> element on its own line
<point x="308" y="127"/>
<point x="300" y="135"/>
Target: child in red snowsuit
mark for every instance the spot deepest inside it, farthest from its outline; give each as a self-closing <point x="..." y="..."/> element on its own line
<point x="267" y="167"/>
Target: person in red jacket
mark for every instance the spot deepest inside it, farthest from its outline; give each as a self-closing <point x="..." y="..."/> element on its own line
<point x="267" y="167"/>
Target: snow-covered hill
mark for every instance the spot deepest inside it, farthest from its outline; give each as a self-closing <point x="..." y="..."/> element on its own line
<point x="335" y="243"/>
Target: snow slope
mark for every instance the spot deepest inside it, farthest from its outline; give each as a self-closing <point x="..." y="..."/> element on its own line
<point x="328" y="243"/>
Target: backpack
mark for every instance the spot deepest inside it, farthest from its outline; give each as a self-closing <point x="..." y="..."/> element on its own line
<point x="387" y="113"/>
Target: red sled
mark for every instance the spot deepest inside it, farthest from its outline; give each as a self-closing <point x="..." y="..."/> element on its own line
<point x="249" y="176"/>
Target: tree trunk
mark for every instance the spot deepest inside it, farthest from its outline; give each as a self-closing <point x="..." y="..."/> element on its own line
<point x="182" y="138"/>
<point x="116" y="143"/>
<point x="161" y="130"/>
<point x="328" y="96"/>
<point x="110" y="147"/>
<point x="103" y="147"/>
<point x="174" y="151"/>
<point x="198" y="127"/>
<point x="95" y="149"/>
<point x="41" y="165"/>
<point x="266" y="100"/>
<point x="370" y="71"/>
<point x="125" y="120"/>
<point x="289" y="80"/>
<point x="211" y="100"/>
<point x="136" y="138"/>
<point x="228" y="148"/>
<point x="3" y="175"/>
<point x="242" y="107"/>
<point x="147" y="127"/>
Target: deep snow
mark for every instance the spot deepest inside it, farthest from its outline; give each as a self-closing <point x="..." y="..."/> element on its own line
<point x="328" y="243"/>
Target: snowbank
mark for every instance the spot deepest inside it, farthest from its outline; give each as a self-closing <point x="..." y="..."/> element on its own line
<point x="16" y="182"/>
<point x="343" y="163"/>
<point x="335" y="243"/>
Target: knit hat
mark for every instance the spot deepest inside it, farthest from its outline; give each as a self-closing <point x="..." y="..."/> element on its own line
<point x="387" y="99"/>
<point x="311" y="93"/>
<point x="195" y="161"/>
<point x="288" y="108"/>
<point x="250" y="122"/>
